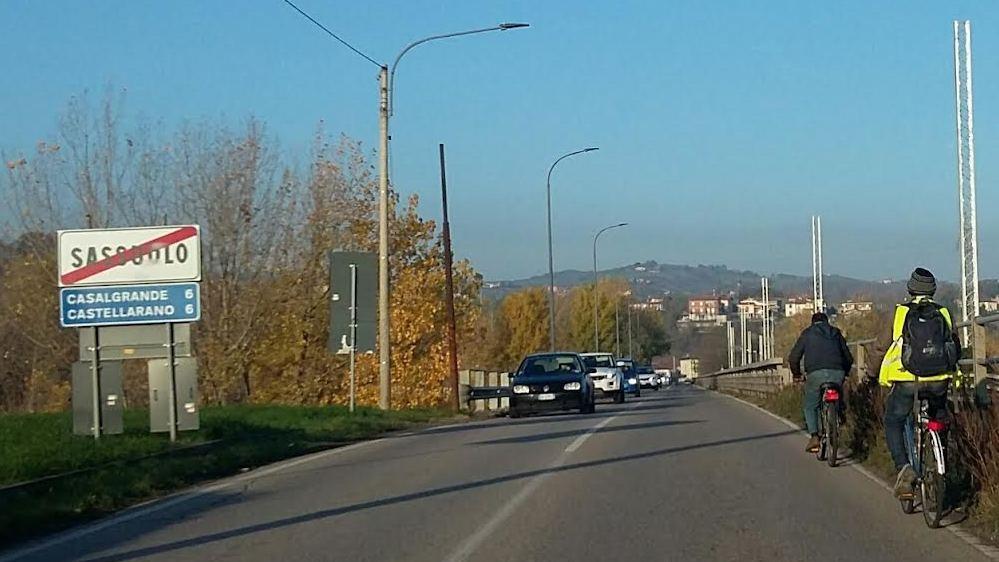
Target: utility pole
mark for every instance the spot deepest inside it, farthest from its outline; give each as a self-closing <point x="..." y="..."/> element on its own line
<point x="630" y="354"/>
<point x="384" y="324"/>
<point x="452" y="338"/>
<point x="617" y="328"/>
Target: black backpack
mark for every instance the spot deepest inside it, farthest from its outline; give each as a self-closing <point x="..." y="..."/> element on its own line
<point x="927" y="347"/>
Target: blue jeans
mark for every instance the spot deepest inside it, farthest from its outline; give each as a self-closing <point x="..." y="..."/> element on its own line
<point x="898" y="407"/>
<point x="813" y="396"/>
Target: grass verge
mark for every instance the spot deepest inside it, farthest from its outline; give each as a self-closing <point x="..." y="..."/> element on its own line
<point x="122" y="470"/>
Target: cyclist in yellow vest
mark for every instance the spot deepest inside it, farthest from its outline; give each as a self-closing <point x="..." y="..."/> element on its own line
<point x="904" y="384"/>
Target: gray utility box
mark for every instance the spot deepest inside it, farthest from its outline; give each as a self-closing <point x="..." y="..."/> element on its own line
<point x="141" y="341"/>
<point x="186" y="377"/>
<point x="112" y="398"/>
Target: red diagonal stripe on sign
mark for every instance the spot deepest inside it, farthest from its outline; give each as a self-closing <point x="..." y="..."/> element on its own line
<point x="128" y="255"/>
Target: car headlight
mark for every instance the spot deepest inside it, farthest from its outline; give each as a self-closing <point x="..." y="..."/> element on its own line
<point x="632" y="381"/>
<point x="571" y="386"/>
<point x="521" y="389"/>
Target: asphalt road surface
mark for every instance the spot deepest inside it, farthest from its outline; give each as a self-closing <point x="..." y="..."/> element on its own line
<point x="680" y="474"/>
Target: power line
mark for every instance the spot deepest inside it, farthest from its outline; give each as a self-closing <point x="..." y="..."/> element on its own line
<point x="333" y="35"/>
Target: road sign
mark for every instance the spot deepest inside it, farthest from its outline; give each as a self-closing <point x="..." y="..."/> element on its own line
<point x="129" y="304"/>
<point x="143" y="341"/>
<point x="119" y="256"/>
<point x="365" y="267"/>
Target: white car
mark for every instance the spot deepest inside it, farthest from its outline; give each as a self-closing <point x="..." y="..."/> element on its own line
<point x="608" y="380"/>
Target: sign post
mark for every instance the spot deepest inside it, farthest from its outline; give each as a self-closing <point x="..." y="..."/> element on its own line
<point x="353" y="319"/>
<point x="128" y="277"/>
<point x="353" y="328"/>
<point x="95" y="373"/>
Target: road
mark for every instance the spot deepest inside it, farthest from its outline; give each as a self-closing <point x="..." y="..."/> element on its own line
<point x="681" y="474"/>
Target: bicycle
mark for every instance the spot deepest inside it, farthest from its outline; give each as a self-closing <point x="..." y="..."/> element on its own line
<point x="927" y="451"/>
<point x="829" y="423"/>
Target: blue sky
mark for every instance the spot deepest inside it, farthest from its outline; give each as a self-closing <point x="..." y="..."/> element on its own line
<point x="722" y="125"/>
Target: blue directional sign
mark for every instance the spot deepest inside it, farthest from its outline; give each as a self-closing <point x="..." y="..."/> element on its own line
<point x="129" y="304"/>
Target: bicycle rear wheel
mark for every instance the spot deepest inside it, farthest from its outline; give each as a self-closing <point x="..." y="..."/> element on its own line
<point x="932" y="485"/>
<point x="832" y="432"/>
<point x="823" y="440"/>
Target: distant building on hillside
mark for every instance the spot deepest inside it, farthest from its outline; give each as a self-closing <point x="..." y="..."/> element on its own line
<point x="798" y="305"/>
<point x="855" y="307"/>
<point x="990" y="306"/>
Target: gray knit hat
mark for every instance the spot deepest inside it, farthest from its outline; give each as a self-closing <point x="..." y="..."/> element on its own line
<point x="922" y="282"/>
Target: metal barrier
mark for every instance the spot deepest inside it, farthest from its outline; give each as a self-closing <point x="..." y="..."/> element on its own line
<point x="982" y="367"/>
<point x="757" y="379"/>
<point x="484" y="391"/>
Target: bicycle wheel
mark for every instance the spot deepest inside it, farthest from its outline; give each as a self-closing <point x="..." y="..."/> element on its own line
<point x="823" y="440"/>
<point x="932" y="485"/>
<point x="832" y="431"/>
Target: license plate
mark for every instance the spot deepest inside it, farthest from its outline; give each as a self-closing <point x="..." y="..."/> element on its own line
<point x="546" y="397"/>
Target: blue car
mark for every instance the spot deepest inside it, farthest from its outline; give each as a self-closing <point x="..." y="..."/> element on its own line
<point x="631" y="384"/>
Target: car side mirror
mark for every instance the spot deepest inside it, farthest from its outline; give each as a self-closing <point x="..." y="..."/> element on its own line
<point x="591" y="369"/>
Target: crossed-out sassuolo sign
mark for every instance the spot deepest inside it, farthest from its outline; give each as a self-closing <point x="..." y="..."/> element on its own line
<point x="126" y="276"/>
<point x="116" y="256"/>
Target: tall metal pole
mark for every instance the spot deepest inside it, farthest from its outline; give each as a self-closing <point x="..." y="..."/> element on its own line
<point x="384" y="324"/>
<point x="822" y="296"/>
<point x="596" y="292"/>
<point x="965" y="115"/>
<point x="631" y="354"/>
<point x="617" y="328"/>
<point x="452" y="338"/>
<point x="551" y="259"/>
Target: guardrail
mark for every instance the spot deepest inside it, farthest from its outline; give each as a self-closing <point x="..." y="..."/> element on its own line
<point x="985" y="382"/>
<point x="757" y="379"/>
<point x="484" y="391"/>
<point x="768" y="377"/>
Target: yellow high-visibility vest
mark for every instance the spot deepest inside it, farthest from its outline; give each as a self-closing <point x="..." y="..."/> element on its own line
<point x="891" y="366"/>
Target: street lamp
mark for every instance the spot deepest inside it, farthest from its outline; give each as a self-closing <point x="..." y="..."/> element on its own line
<point x="385" y="110"/>
<point x="386" y="79"/>
<point x="551" y="262"/>
<point x="596" y="329"/>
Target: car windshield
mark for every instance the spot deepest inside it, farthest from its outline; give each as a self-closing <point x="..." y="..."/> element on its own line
<point x="548" y="365"/>
<point x="594" y="361"/>
<point x="645" y="371"/>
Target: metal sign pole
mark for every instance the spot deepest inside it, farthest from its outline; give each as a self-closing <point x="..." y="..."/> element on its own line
<point x="353" y="328"/>
<point x="95" y="366"/>
<point x="173" y="383"/>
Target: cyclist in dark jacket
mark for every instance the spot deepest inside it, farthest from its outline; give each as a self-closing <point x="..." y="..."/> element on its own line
<point x="827" y="359"/>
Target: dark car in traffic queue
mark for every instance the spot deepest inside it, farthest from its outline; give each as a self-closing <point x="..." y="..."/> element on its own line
<point x="551" y="382"/>
<point x="630" y="370"/>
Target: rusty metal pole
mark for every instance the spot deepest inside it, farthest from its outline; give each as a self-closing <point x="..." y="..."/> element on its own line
<point x="452" y="340"/>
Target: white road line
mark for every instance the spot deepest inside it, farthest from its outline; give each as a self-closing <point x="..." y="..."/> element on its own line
<point x="476" y="539"/>
<point x="969" y="539"/>
<point x="578" y="442"/>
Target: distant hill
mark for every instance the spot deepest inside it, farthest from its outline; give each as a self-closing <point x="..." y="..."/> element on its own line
<point x="653" y="279"/>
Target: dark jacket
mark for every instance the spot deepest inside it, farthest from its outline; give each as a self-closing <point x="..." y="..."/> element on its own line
<point x="823" y="347"/>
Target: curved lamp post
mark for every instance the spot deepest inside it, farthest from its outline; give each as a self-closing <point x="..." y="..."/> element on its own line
<point x="596" y="329"/>
<point x="551" y="262"/>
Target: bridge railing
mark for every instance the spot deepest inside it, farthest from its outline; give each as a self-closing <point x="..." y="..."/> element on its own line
<point x="757" y="379"/>
<point x="980" y="366"/>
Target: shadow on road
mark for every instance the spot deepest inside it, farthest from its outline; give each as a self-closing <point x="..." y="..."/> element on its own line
<point x="581" y="431"/>
<point x="603" y="411"/>
<point x="334" y="512"/>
